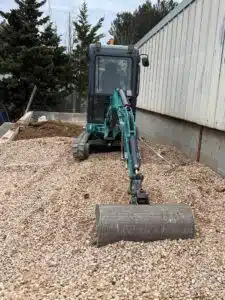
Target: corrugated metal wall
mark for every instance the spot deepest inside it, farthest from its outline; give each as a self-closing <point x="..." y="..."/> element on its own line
<point x="186" y="76"/>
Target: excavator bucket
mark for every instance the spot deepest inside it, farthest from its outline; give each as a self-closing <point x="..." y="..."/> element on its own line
<point x="143" y="223"/>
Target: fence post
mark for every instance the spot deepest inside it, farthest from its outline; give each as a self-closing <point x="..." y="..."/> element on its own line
<point x="31" y="99"/>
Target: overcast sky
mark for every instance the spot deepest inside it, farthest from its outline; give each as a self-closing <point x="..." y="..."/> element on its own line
<point x="97" y="8"/>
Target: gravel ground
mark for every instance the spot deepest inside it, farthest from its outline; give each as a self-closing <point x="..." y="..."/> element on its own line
<point x="47" y="216"/>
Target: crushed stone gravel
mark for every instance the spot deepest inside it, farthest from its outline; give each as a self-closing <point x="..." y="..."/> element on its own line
<point x="47" y="214"/>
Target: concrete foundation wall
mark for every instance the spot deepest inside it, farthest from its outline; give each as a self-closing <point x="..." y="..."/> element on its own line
<point x="197" y="142"/>
<point x="66" y="117"/>
<point x="79" y="118"/>
<point x="213" y="149"/>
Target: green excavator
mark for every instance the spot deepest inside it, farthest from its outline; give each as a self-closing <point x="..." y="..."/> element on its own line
<point x="113" y="88"/>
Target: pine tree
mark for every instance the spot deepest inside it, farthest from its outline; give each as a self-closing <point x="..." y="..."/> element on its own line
<point x="122" y="28"/>
<point x="85" y="34"/>
<point x="31" y="56"/>
<point x="23" y="55"/>
<point x="129" y="28"/>
<point x="60" y="78"/>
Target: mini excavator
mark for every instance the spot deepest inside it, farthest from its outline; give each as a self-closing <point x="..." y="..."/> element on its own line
<point x="113" y="88"/>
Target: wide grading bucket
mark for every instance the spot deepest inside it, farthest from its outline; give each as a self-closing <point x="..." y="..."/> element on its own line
<point x="143" y="223"/>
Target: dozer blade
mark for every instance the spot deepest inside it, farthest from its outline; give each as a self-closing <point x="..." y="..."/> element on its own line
<point x="143" y="223"/>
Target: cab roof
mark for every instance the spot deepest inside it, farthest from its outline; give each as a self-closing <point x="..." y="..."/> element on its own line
<point x="119" y="50"/>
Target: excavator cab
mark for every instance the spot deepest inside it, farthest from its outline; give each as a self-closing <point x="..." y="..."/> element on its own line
<point x="111" y="67"/>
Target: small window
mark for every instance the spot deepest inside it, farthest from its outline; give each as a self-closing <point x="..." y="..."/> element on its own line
<point x="112" y="73"/>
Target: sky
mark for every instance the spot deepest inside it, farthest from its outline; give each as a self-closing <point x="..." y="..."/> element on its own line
<point x="59" y="12"/>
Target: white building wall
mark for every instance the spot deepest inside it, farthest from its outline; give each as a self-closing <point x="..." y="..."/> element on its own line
<point x="186" y="76"/>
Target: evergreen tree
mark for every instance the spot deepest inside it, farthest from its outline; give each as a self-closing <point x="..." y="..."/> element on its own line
<point x="60" y="76"/>
<point x="23" y="55"/>
<point x="2" y="24"/>
<point x="31" y="56"/>
<point x="129" y="28"/>
<point x="85" y="34"/>
<point x="122" y="28"/>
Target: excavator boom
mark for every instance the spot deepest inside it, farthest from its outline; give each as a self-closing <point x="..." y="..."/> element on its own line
<point x="120" y="118"/>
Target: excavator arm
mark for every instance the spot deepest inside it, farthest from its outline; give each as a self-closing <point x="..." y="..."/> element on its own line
<point x="120" y="119"/>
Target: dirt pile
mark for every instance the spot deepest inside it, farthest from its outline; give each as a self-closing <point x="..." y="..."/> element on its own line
<point x="48" y="129"/>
